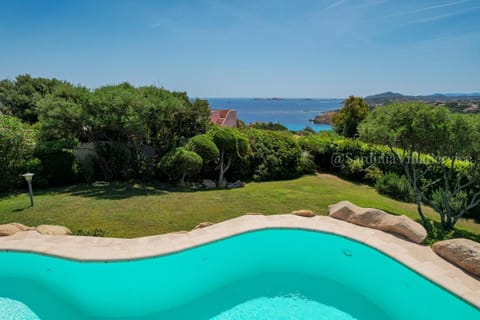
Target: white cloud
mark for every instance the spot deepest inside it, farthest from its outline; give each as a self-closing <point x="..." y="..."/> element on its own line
<point x="335" y="4"/>
<point x="429" y="8"/>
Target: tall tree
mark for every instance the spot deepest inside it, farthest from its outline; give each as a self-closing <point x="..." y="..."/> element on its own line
<point x="172" y="118"/>
<point x="20" y="97"/>
<point x="147" y="121"/>
<point x="231" y="144"/>
<point x="62" y="115"/>
<point x="346" y="121"/>
<point x="427" y="139"/>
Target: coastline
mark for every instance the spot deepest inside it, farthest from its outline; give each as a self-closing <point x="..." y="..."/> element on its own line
<point x="295" y="114"/>
<point x="325" y="117"/>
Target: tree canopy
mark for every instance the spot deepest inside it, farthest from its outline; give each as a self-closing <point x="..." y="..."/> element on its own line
<point x="179" y="164"/>
<point x="231" y="144"/>
<point x="131" y="126"/>
<point x="204" y="146"/>
<point x="17" y="143"/>
<point x="346" y="121"/>
<point x="20" y="97"/>
<point x="451" y="144"/>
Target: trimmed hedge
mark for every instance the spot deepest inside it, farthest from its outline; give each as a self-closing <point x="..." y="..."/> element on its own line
<point x="395" y="186"/>
<point x="372" y="164"/>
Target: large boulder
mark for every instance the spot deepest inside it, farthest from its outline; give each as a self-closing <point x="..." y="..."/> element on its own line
<point x="304" y="213"/>
<point x="12" y="228"/>
<point x="236" y="184"/>
<point x="462" y="252"/>
<point x="378" y="219"/>
<point x="209" y="184"/>
<point x="53" y="230"/>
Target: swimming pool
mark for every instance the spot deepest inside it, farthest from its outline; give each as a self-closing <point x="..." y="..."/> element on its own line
<point x="266" y="274"/>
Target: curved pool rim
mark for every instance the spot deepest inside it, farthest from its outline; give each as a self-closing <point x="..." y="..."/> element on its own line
<point x="418" y="258"/>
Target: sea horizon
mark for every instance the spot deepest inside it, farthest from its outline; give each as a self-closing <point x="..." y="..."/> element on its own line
<point x="293" y="113"/>
<point x="273" y="98"/>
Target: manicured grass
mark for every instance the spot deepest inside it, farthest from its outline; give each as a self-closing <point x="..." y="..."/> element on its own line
<point x="133" y="210"/>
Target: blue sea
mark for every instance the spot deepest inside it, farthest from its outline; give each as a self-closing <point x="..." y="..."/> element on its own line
<point x="292" y="113"/>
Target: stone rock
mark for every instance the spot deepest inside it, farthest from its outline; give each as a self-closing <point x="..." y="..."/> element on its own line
<point x="236" y="184"/>
<point x="463" y="253"/>
<point x="12" y="228"/>
<point x="324" y="117"/>
<point x="53" y="230"/>
<point x="304" y="213"/>
<point x="202" y="225"/>
<point x="208" y="184"/>
<point x="223" y="183"/>
<point x="378" y="219"/>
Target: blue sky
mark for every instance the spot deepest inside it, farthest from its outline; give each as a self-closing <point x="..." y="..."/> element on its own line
<point x="261" y="48"/>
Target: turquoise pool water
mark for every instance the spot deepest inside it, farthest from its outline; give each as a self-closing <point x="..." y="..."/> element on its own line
<point x="268" y="274"/>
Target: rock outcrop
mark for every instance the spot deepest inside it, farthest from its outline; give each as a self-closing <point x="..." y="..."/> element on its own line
<point x="53" y="230"/>
<point x="378" y="219"/>
<point x="324" y="117"/>
<point x="12" y="228"/>
<point x="304" y="213"/>
<point x="463" y="253"/>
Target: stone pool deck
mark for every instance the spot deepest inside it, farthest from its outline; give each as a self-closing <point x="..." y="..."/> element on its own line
<point x="417" y="257"/>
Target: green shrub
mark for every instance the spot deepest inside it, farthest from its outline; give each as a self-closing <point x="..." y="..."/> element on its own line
<point x="395" y="186"/>
<point x="268" y="126"/>
<point x="307" y="130"/>
<point x="59" y="168"/>
<point x="372" y="174"/>
<point x="353" y="168"/>
<point x="230" y="141"/>
<point x="114" y="161"/>
<point x="180" y="164"/>
<point x="327" y="147"/>
<point x="204" y="146"/>
<point x="86" y="170"/>
<point x="17" y="143"/>
<point x="97" y="232"/>
<point x="307" y="165"/>
<point x="320" y="146"/>
<point x="275" y="155"/>
<point x="35" y="166"/>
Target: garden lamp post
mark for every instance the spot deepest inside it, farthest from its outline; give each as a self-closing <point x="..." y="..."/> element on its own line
<point x="28" y="177"/>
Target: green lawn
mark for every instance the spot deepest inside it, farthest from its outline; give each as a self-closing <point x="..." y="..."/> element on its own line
<point x="132" y="210"/>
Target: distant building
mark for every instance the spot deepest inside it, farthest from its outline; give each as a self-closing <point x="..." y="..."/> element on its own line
<point x="224" y="118"/>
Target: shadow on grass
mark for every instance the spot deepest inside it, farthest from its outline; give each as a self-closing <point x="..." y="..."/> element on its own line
<point x="356" y="182"/>
<point x="124" y="190"/>
<point x="114" y="190"/>
<point x="109" y="190"/>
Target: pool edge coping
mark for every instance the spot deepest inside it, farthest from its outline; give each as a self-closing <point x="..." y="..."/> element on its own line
<point x="419" y="258"/>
